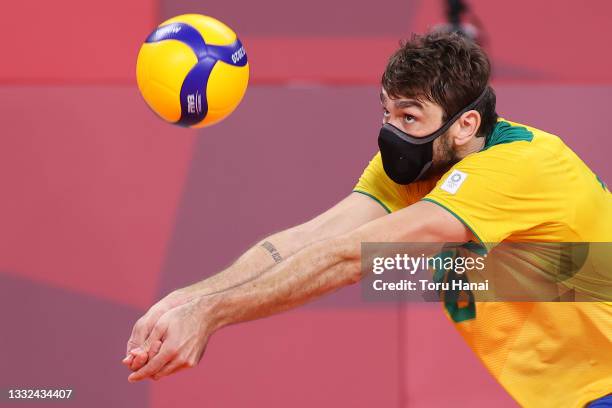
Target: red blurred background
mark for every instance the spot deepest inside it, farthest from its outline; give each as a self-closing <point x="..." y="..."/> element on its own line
<point x="106" y="208"/>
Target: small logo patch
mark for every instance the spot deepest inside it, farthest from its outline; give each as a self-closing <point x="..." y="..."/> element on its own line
<point x="454" y="181"/>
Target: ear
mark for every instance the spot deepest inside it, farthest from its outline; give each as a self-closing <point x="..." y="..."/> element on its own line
<point x="468" y="125"/>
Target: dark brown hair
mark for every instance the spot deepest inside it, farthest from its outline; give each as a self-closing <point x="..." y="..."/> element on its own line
<point x="444" y="68"/>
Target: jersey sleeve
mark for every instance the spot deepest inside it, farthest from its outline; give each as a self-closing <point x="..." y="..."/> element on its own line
<point x="375" y="183"/>
<point x="493" y="193"/>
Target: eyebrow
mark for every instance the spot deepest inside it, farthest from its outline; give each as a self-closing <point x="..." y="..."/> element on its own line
<point x="402" y="103"/>
<point x="407" y="103"/>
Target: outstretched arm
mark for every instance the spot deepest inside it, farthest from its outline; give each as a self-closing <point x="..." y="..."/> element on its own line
<point x="348" y="214"/>
<point x="312" y="272"/>
<point x="330" y="265"/>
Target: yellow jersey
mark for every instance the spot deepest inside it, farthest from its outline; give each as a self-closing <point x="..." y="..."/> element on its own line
<point x="525" y="185"/>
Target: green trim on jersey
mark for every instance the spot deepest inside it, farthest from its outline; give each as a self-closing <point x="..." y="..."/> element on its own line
<point x="373" y="198"/>
<point x="504" y="132"/>
<point x="459" y="218"/>
<point x="603" y="185"/>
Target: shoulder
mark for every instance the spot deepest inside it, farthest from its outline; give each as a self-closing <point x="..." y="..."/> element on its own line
<point x="513" y="149"/>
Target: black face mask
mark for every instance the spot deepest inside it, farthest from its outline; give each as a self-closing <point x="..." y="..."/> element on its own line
<point x="406" y="158"/>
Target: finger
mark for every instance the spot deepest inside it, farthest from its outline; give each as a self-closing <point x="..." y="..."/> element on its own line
<point x="177" y="364"/>
<point x="153" y="366"/>
<point x="142" y="354"/>
<point x="140" y="331"/>
<point x="170" y="368"/>
<point x="143" y="327"/>
<point x="140" y="357"/>
<point x="154" y="349"/>
<point x="128" y="360"/>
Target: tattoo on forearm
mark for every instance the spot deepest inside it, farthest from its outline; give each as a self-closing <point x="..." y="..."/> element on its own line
<point x="273" y="251"/>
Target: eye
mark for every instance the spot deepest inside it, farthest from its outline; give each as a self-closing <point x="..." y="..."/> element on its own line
<point x="386" y="113"/>
<point x="409" y="119"/>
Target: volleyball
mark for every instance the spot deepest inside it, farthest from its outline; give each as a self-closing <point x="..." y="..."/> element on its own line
<point x="192" y="70"/>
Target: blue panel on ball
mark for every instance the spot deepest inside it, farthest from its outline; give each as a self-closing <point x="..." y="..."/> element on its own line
<point x="193" y="93"/>
<point x="233" y="54"/>
<point x="181" y="32"/>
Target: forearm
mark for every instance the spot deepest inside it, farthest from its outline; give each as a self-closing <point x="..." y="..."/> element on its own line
<point x="350" y="213"/>
<point x="328" y="265"/>
<point x="256" y="260"/>
<point x="312" y="272"/>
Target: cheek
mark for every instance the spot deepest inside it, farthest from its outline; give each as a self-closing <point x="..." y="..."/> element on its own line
<point x="437" y="148"/>
<point x="442" y="148"/>
<point x="451" y="134"/>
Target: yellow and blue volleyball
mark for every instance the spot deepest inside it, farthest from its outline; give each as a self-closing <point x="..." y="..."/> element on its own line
<point x="192" y="70"/>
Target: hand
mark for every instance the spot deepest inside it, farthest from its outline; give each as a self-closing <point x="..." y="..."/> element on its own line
<point x="139" y="350"/>
<point x="183" y="333"/>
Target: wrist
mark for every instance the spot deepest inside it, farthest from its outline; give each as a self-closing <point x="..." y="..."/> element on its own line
<point x="212" y="312"/>
<point x="179" y="297"/>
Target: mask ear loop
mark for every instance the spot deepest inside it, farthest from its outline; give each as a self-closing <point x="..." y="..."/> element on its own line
<point x="424" y="170"/>
<point x="434" y="135"/>
<point x="462" y="111"/>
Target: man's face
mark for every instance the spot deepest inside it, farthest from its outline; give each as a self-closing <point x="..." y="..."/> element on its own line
<point x="420" y="118"/>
